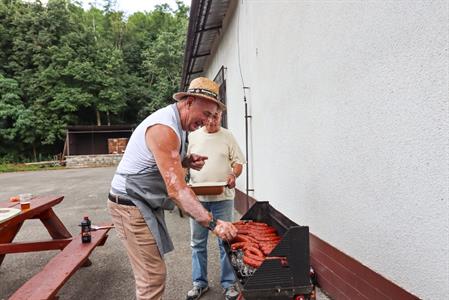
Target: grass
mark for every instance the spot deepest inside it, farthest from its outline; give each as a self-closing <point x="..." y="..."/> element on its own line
<point x="4" y="168"/>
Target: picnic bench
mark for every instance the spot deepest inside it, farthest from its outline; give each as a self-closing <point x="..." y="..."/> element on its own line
<point x="74" y="254"/>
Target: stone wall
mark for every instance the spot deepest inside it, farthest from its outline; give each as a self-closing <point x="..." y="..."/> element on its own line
<point x="99" y="160"/>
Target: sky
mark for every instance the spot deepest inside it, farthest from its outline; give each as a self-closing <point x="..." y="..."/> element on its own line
<point x="131" y="6"/>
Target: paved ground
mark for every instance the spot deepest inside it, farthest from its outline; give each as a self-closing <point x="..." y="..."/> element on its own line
<point x="110" y="276"/>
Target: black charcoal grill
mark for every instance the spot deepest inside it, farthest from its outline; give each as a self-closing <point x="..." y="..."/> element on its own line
<point x="278" y="278"/>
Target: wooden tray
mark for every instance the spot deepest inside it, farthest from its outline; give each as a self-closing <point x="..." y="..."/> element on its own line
<point x="208" y="188"/>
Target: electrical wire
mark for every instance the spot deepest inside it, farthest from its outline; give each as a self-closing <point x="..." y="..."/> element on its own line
<point x="238" y="52"/>
<point x="246" y="110"/>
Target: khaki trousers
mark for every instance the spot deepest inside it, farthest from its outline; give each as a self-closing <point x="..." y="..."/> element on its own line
<point x="147" y="264"/>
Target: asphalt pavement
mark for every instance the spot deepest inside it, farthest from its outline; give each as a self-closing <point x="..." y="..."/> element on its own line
<point x="110" y="276"/>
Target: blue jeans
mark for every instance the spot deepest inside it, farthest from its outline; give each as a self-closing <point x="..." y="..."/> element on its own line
<point x="223" y="210"/>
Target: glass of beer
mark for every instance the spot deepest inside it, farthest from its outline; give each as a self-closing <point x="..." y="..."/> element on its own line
<point x="25" y="201"/>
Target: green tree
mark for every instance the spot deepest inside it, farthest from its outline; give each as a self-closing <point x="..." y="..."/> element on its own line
<point x="61" y="65"/>
<point x="162" y="60"/>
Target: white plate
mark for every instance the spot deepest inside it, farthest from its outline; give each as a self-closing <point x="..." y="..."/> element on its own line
<point x="8" y="213"/>
<point x="209" y="183"/>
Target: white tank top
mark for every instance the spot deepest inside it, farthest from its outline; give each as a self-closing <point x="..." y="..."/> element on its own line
<point x="137" y="157"/>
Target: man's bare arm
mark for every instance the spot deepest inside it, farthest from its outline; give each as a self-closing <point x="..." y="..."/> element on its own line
<point x="164" y="144"/>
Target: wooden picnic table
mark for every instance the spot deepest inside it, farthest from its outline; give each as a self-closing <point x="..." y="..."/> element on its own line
<point x="41" y="208"/>
<point x="74" y="254"/>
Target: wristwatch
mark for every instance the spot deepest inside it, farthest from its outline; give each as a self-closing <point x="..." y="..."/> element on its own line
<point x="212" y="224"/>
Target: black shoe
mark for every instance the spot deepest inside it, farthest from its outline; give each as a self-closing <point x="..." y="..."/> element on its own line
<point x="196" y="292"/>
<point x="231" y="293"/>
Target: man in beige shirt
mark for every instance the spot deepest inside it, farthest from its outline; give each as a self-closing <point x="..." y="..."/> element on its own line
<point x="224" y="163"/>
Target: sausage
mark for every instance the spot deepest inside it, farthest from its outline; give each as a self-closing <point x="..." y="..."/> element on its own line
<point x="238" y="245"/>
<point x="244" y="238"/>
<point x="250" y="223"/>
<point x="243" y="245"/>
<point x="267" y="239"/>
<point x="255" y="251"/>
<point x="255" y="223"/>
<point x="267" y="249"/>
<point x="241" y="238"/>
<point x="252" y="262"/>
<point x="262" y="239"/>
<point x="259" y="228"/>
<point x="258" y="225"/>
<point x="252" y="259"/>
<point x="263" y="229"/>
<point x="256" y="235"/>
<point x="252" y="255"/>
<point x="256" y="229"/>
<point x="268" y="245"/>
<point x="243" y="231"/>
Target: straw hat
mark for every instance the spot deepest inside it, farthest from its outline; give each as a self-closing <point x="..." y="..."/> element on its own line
<point x="202" y="87"/>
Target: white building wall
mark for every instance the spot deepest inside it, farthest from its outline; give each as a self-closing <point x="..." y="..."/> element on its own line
<point x="349" y="128"/>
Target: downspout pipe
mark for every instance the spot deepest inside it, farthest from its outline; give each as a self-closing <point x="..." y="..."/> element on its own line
<point x="247" y="117"/>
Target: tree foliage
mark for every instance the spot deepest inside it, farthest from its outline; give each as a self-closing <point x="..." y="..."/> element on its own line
<point x="61" y="65"/>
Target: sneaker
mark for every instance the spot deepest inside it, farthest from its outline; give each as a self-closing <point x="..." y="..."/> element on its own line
<point x="196" y="292"/>
<point x="231" y="293"/>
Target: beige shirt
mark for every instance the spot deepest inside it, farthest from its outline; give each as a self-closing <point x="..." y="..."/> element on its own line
<point x="222" y="151"/>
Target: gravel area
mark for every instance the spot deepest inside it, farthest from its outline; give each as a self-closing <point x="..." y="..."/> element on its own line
<point x="110" y="276"/>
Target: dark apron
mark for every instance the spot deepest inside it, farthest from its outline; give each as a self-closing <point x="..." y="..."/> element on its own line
<point x="148" y="192"/>
<point x="149" y="188"/>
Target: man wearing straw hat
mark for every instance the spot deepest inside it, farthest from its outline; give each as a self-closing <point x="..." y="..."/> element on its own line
<point x="150" y="179"/>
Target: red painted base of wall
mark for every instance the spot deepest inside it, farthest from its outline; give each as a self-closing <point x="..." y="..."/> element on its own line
<point x="339" y="275"/>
